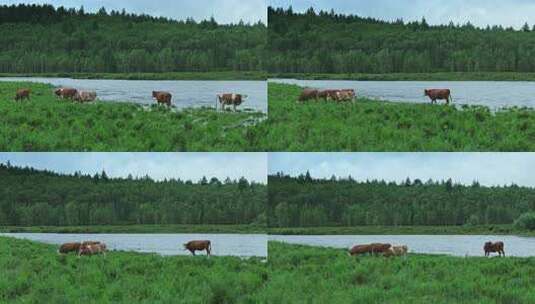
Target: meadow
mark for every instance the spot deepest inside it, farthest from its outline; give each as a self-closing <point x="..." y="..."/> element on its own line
<point x="46" y="123"/>
<point x="371" y="125"/>
<point x="249" y="229"/>
<point x="35" y="273"/>
<point x="302" y="274"/>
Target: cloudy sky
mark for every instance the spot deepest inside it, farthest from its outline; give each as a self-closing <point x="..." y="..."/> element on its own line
<point x="191" y="166"/>
<point x="224" y="11"/>
<point x="479" y="12"/>
<point x="488" y="168"/>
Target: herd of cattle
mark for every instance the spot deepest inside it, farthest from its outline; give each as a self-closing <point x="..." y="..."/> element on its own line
<point x="97" y="247"/>
<point x="350" y="95"/>
<point x="388" y="250"/>
<point x="161" y="97"/>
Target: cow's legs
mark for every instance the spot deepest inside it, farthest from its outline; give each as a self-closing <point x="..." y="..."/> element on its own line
<point x="192" y="252"/>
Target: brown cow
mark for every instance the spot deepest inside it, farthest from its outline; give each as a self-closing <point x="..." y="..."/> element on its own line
<point x="439" y="94"/>
<point x="69" y="247"/>
<point x="371" y="249"/>
<point x="193" y="246"/>
<point x="93" y="249"/>
<point x="66" y="93"/>
<point x="85" y="96"/>
<point x="397" y="251"/>
<point x="345" y="95"/>
<point x="23" y="93"/>
<point x="308" y="94"/>
<point x="494" y="247"/>
<point x="162" y="97"/>
<point x="231" y="99"/>
<point x="326" y="94"/>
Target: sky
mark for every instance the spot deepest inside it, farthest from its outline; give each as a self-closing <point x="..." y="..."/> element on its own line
<point x="479" y="12"/>
<point x="224" y="11"/>
<point x="192" y="166"/>
<point x="490" y="169"/>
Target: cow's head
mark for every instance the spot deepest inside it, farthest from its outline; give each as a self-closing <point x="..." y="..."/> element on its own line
<point x="488" y="245"/>
<point x="426" y="92"/>
<point x="58" y="91"/>
<point x="154" y="94"/>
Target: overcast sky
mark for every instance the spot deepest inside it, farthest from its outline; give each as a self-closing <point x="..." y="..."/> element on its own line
<point x="487" y="168"/>
<point x="479" y="12"/>
<point x="224" y="11"/>
<point x="191" y="166"/>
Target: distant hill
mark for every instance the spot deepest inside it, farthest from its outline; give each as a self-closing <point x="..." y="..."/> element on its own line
<point x="42" y="38"/>
<point x="305" y="201"/>
<point x="327" y="42"/>
<point x="30" y="197"/>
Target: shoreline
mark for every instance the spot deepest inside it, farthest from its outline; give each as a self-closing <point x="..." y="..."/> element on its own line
<point x="437" y="76"/>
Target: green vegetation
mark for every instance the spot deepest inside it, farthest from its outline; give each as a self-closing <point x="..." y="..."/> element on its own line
<point x="30" y="197"/>
<point x="35" y="273"/>
<point x="404" y="230"/>
<point x="239" y="229"/>
<point x="327" y="42"/>
<point x="47" y="124"/>
<point x="526" y="221"/>
<point x="234" y="75"/>
<point x="301" y="274"/>
<point x="44" y="39"/>
<point x="370" y="125"/>
<point x="445" y="76"/>
<point x="304" y="201"/>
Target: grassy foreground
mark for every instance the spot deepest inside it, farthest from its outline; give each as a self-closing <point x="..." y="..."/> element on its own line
<point x="249" y="229"/>
<point x="47" y="124"/>
<point x="404" y="230"/>
<point x="440" y="76"/>
<point x="35" y="273"/>
<point x="368" y="125"/>
<point x="301" y="274"/>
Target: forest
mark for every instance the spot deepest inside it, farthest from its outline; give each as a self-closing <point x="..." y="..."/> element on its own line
<point x="30" y="197"/>
<point x="46" y="39"/>
<point x="304" y="201"/>
<point x="327" y="42"/>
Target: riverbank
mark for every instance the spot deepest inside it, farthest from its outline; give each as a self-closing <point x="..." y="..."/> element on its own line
<point x="441" y="76"/>
<point x="371" y="125"/>
<point x="404" y="230"/>
<point x="227" y="75"/>
<point x="141" y="229"/>
<point x="46" y="123"/>
<point x="32" y="272"/>
<point x="303" y="274"/>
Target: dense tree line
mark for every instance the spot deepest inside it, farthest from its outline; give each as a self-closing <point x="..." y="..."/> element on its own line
<point x="327" y="42"/>
<point x="305" y="202"/>
<point x="42" y="38"/>
<point x="31" y="197"/>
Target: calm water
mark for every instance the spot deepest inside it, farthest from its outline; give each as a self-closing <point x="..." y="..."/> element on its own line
<point x="493" y="94"/>
<point x="456" y="245"/>
<point x="241" y="245"/>
<point x="185" y="93"/>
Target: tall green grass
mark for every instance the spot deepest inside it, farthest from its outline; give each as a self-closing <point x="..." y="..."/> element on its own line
<point x="35" y="273"/>
<point x="301" y="274"/>
<point x="46" y="123"/>
<point x="369" y="125"/>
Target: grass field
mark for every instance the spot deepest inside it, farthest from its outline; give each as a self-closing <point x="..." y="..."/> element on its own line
<point x="301" y="274"/>
<point x="440" y="76"/>
<point x="369" y="125"/>
<point x="404" y="230"/>
<point x="47" y="124"/>
<point x="35" y="273"/>
<point x="228" y="75"/>
<point x="249" y="229"/>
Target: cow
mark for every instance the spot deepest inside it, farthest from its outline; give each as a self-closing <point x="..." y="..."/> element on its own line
<point x="193" y="246"/>
<point x="397" y="251"/>
<point x="328" y="94"/>
<point x="438" y="94"/>
<point x="22" y="94"/>
<point x="162" y="97"/>
<point x="65" y="93"/>
<point x="92" y="249"/>
<point x="494" y="247"/>
<point x="69" y="247"/>
<point x="345" y="95"/>
<point x="308" y="94"/>
<point x="370" y="249"/>
<point x="230" y="99"/>
<point x="85" y="96"/>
